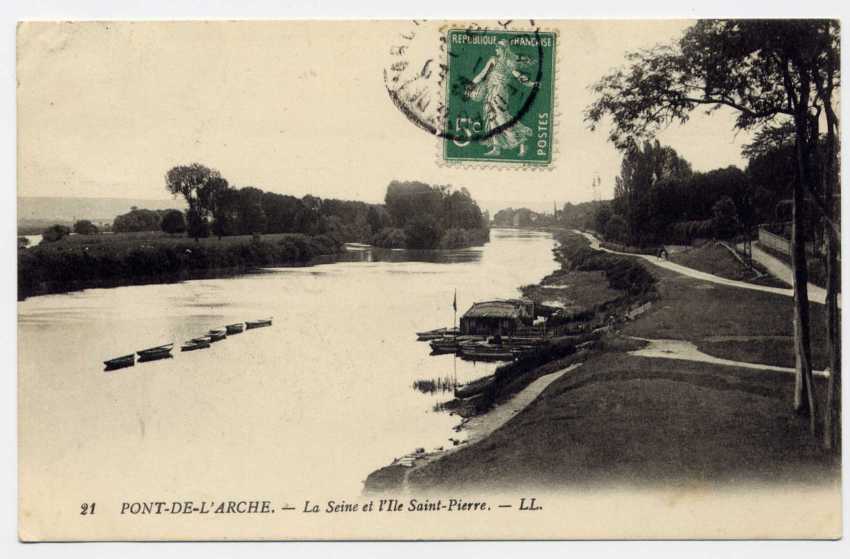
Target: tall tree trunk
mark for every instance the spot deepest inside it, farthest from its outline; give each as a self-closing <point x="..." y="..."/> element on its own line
<point x="832" y="420"/>
<point x="804" y="396"/>
<point x="832" y="414"/>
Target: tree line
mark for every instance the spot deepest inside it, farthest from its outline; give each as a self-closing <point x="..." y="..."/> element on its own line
<point x="414" y="215"/>
<point x="659" y="199"/>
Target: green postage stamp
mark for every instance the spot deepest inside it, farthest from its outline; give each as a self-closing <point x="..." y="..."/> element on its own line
<point x="499" y="96"/>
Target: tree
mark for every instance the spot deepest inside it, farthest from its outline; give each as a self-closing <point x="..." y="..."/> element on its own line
<point x="377" y="218"/>
<point x="601" y="217"/>
<point x="281" y="212"/>
<point x="136" y="220"/>
<point x="461" y="211"/>
<point x="190" y="181"/>
<point x="85" y="227"/>
<point x="725" y="219"/>
<point x="252" y="218"/>
<point x="422" y="232"/>
<point x="826" y="81"/>
<point x="173" y="222"/>
<point x="642" y="168"/>
<point x="210" y="196"/>
<point x="616" y="229"/>
<point x="771" y="172"/>
<point x="226" y="213"/>
<point x="405" y="200"/>
<point x="55" y="233"/>
<point x="197" y="225"/>
<point x="504" y="217"/>
<point x="765" y="71"/>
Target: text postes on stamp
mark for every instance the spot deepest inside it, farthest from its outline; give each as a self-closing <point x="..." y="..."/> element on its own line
<point x="499" y="96"/>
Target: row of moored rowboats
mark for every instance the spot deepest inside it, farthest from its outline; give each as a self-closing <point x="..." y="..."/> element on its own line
<point x="479" y="348"/>
<point x="201" y="342"/>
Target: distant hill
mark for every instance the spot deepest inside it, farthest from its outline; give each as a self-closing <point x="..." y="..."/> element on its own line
<point x="38" y="212"/>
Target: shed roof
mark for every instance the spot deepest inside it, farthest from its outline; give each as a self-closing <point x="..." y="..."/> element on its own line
<point x="494" y="309"/>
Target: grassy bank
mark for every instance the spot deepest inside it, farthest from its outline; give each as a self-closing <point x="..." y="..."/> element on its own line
<point x="621" y="419"/>
<point x="713" y="258"/>
<point x="82" y="261"/>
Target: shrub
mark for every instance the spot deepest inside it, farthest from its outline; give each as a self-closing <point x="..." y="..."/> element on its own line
<point x="85" y="227"/>
<point x="389" y="237"/>
<point x="622" y="272"/>
<point x="725" y="218"/>
<point x="455" y="238"/>
<point x="422" y="232"/>
<point x="136" y="220"/>
<point x="616" y="228"/>
<point x="55" y="233"/>
<point x="173" y="222"/>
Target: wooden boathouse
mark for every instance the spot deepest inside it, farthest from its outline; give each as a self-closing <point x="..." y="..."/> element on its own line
<point x="505" y="317"/>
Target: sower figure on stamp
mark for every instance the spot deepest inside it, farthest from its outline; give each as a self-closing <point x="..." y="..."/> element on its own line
<point x="492" y="85"/>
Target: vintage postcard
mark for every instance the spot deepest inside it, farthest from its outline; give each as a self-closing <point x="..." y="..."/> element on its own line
<point x="443" y="280"/>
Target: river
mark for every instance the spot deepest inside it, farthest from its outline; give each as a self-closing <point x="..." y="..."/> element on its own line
<point x="318" y="400"/>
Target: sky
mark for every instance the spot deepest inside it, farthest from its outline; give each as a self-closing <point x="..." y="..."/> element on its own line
<point x="105" y="109"/>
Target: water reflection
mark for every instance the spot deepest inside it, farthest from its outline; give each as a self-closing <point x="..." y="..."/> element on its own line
<point x="365" y="253"/>
<point x="432" y="385"/>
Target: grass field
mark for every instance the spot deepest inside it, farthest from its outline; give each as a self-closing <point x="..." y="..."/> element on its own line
<point x="728" y="322"/>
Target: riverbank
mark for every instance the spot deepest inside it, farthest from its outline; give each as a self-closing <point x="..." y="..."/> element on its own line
<point x="471" y="430"/>
<point x="88" y="261"/>
<point x="627" y="419"/>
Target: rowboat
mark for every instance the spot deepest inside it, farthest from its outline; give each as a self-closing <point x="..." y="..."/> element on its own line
<point x="120" y="362"/>
<point x="445" y="345"/>
<point x="194" y="344"/>
<point x="217" y="335"/>
<point x="436" y="334"/>
<point x="452" y="344"/>
<point x="154" y="353"/>
<point x="492" y="349"/>
<point x="250" y="324"/>
<point x="235" y="328"/>
<point x="202" y="339"/>
<point x="475" y="387"/>
<point x="487" y="353"/>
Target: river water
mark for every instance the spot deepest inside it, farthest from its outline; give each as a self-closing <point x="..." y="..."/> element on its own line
<point x="319" y="400"/>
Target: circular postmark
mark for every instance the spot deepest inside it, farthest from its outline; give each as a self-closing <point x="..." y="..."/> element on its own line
<point x="469" y="83"/>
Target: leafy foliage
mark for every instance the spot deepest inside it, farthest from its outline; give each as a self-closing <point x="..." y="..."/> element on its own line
<point x="55" y="233"/>
<point x="173" y="222"/>
<point x="85" y="227"/>
<point x="136" y="220"/>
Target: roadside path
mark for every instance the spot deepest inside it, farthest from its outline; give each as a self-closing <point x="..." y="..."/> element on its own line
<point x="816" y="294"/>
<point x="781" y="270"/>
<point x="688" y="351"/>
